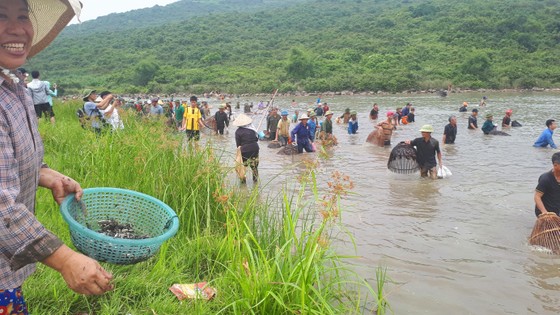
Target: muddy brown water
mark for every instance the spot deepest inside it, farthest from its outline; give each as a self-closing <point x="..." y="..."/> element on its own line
<point x="451" y="246"/>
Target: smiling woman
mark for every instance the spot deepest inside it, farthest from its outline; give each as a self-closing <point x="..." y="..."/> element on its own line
<point x="26" y="28"/>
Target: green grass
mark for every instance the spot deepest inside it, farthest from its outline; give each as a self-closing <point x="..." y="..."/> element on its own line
<point x="264" y="254"/>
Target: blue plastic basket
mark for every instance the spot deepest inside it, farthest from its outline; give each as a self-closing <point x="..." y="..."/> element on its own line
<point x="146" y="214"/>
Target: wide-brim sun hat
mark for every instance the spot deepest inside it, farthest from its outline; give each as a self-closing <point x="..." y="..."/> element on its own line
<point x="353" y="112"/>
<point x="87" y="93"/>
<point x="49" y="17"/>
<point x="242" y="120"/>
<point x="222" y="106"/>
<point x="304" y="116"/>
<point x="284" y="113"/>
<point x="489" y="116"/>
<point x="427" y="128"/>
<point x="329" y="113"/>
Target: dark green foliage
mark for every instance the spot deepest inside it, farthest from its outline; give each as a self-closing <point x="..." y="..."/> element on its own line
<point x="313" y="45"/>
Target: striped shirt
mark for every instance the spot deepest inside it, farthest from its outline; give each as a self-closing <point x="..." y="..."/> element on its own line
<point x="23" y="239"/>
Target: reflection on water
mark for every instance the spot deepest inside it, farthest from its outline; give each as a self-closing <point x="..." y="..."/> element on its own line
<point x="453" y="246"/>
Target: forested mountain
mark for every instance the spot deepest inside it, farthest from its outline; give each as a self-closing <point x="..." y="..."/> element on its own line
<point x="312" y="45"/>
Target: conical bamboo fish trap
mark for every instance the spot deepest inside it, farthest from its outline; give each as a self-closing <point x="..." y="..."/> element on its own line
<point x="546" y="232"/>
<point x="403" y="159"/>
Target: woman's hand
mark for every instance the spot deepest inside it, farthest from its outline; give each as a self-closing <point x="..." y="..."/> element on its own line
<point x="60" y="185"/>
<point x="82" y="274"/>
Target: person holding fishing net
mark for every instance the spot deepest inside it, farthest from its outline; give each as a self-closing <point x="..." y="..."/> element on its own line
<point x="427" y="148"/>
<point x="546" y="232"/>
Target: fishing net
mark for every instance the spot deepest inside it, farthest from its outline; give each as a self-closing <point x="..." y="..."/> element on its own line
<point x="274" y="145"/>
<point x="288" y="150"/>
<point x="546" y="232"/>
<point x="403" y="159"/>
<point x="515" y="123"/>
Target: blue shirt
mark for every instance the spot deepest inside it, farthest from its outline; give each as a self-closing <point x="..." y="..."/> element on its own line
<point x="302" y="133"/>
<point x="352" y="127"/>
<point x="312" y="126"/>
<point x="545" y="139"/>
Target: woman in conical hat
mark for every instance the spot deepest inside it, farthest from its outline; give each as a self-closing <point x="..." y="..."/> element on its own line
<point x="26" y="28"/>
<point x="246" y="140"/>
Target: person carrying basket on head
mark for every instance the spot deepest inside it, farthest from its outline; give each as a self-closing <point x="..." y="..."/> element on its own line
<point x="27" y="27"/>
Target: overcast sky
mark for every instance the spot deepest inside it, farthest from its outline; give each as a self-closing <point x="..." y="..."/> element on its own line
<point x="94" y="8"/>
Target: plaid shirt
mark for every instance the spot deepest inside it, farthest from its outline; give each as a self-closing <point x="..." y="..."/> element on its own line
<point x="23" y="239"/>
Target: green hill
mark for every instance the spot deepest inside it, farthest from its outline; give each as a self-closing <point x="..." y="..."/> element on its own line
<point x="320" y="45"/>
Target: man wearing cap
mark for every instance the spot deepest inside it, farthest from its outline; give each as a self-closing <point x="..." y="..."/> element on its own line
<point x="473" y="124"/>
<point x="221" y="118"/>
<point x="464" y="107"/>
<point x="272" y="123"/>
<point x="93" y="110"/>
<point x="488" y="124"/>
<point x="450" y="131"/>
<point x="427" y="148"/>
<point x="506" y="121"/>
<point x="301" y="136"/>
<point x="545" y="139"/>
<point x="156" y="109"/>
<point x="192" y="119"/>
<point x="283" y="129"/>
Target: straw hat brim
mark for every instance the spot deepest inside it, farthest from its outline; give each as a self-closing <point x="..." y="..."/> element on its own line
<point x="49" y="17"/>
<point x="242" y="120"/>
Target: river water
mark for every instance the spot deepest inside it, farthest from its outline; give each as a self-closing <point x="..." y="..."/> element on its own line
<point x="451" y="246"/>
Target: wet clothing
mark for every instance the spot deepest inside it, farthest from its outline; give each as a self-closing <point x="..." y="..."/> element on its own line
<point x="473" y="121"/>
<point x="405" y="111"/>
<point x="283" y="130"/>
<point x="410" y="117"/>
<point x="319" y="111"/>
<point x="462" y="109"/>
<point x="312" y="129"/>
<point x="450" y="133"/>
<point x="248" y="141"/>
<point x="373" y="114"/>
<point x="545" y="139"/>
<point x="327" y="126"/>
<point x="352" y="127"/>
<point x="549" y="186"/>
<point x="222" y="121"/>
<point x="487" y="127"/>
<point x="300" y="134"/>
<point x="426" y="152"/>
<point x="272" y="124"/>
<point x="506" y="121"/>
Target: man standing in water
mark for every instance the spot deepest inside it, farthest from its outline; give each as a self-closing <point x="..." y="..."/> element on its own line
<point x="547" y="193"/>
<point x="427" y="148"/>
<point x="473" y="124"/>
<point x="450" y="131"/>
<point x="545" y="139"/>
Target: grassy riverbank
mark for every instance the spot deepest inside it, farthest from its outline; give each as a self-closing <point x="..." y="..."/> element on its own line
<point x="263" y="254"/>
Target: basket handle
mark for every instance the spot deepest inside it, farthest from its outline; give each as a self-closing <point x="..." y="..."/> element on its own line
<point x="168" y="223"/>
